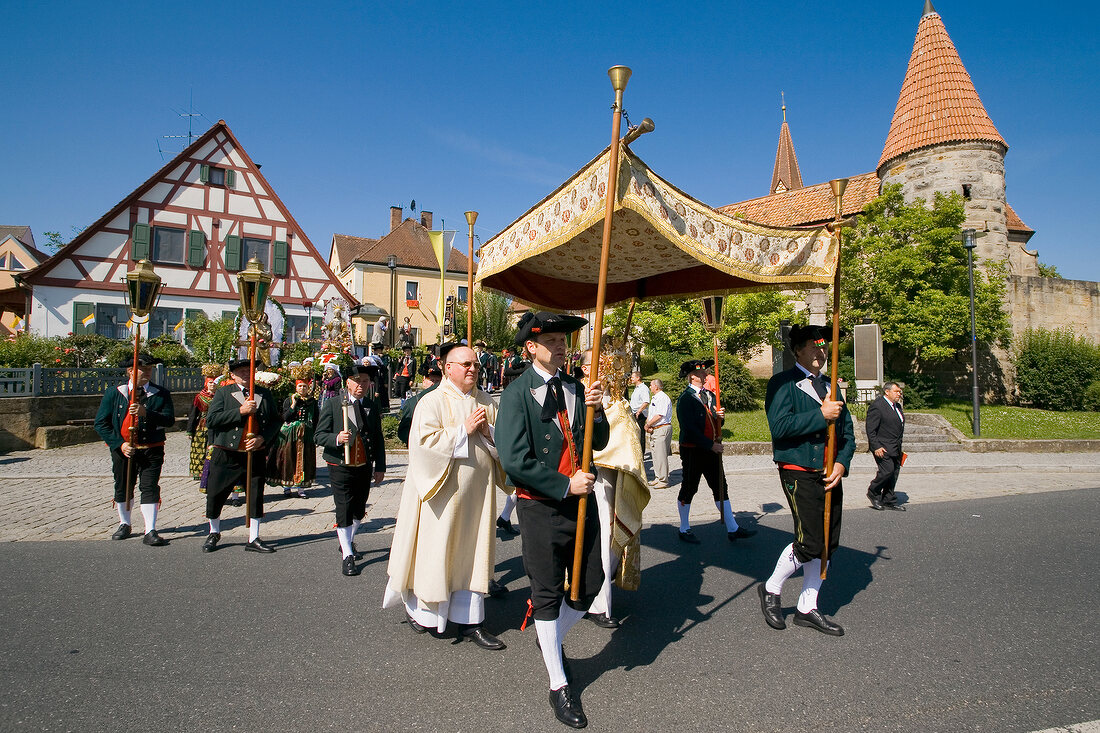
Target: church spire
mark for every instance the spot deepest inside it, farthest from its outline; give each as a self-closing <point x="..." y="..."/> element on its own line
<point x="938" y="102"/>
<point x="785" y="174"/>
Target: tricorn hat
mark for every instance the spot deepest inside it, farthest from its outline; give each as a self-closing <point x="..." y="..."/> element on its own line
<point x="533" y="325"/>
<point x="362" y="370"/>
<point x="143" y="360"/>
<point x="691" y="365"/>
<point x="235" y="364"/>
<point x="799" y="335"/>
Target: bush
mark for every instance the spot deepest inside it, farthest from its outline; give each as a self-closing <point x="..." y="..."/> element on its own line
<point x="1091" y="400"/>
<point x="389" y="427"/>
<point x="921" y="390"/>
<point x="738" y="386"/>
<point x="1051" y="366"/>
<point x="647" y="365"/>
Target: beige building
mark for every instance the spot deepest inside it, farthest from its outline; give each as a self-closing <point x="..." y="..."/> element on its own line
<point x="398" y="275"/>
<point x="18" y="254"/>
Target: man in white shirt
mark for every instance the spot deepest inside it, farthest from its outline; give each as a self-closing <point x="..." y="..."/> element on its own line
<point x="639" y="403"/>
<point x="659" y="426"/>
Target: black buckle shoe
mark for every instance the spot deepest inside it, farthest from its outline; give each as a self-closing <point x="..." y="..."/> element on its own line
<point x="567" y="708"/>
<point x="876" y="503"/>
<point x="483" y="638"/>
<point x="123" y="531"/>
<point x="689" y="537"/>
<point x="816" y="620"/>
<point x="895" y="507"/>
<point x="349" y="568"/>
<point x="772" y="607"/>
<point x="506" y="526"/>
<point x="740" y="534"/>
<point x="497" y="590"/>
<point x="257" y="545"/>
<point x="211" y="543"/>
<point x="603" y="620"/>
<point x="418" y="628"/>
<point x="153" y="539"/>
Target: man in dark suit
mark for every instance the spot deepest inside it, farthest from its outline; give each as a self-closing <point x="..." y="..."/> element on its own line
<point x="227" y="421"/>
<point x="150" y="414"/>
<point x="351" y="480"/>
<point x="539" y="438"/>
<point x="799" y="412"/>
<point x="885" y="424"/>
<point x="701" y="451"/>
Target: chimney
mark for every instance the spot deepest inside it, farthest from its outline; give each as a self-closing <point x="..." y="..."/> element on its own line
<point x="395" y="217"/>
<point x="426" y="220"/>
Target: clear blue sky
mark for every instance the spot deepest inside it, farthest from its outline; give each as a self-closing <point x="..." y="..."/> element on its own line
<point x="354" y="107"/>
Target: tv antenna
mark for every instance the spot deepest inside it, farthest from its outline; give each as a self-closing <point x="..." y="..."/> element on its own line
<point x="191" y="135"/>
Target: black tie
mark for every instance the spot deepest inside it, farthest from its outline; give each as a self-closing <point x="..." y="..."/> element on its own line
<point x="821" y="385"/>
<point x="708" y="399"/>
<point x="555" y="400"/>
<point x="362" y="416"/>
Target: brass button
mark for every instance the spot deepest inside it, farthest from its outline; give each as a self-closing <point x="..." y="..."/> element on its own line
<point x="545" y="450"/>
<point x="548" y="436"/>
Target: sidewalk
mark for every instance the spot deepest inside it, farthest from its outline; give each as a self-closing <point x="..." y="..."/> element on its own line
<point x="78" y="479"/>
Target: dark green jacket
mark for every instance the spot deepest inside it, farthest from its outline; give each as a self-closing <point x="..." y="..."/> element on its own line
<point x="160" y="413"/>
<point x="529" y="448"/>
<point x="331" y="423"/>
<point x="227" y="425"/>
<point x="691" y="413"/>
<point x="799" y="430"/>
<point x="405" y="418"/>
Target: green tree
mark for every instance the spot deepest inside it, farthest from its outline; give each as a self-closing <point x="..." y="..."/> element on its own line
<point x="1046" y="270"/>
<point x="905" y="267"/>
<point x="210" y="341"/>
<point x="54" y="242"/>
<point x="491" y="323"/>
<point x="752" y="319"/>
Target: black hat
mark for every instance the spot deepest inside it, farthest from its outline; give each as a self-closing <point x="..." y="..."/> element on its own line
<point x="534" y="324"/>
<point x="235" y="364"/>
<point x="480" y="343"/>
<point x="444" y="349"/>
<point x="799" y="335"/>
<point x="143" y="360"/>
<point x="362" y="370"/>
<point x="692" y="364"/>
<point x="435" y="373"/>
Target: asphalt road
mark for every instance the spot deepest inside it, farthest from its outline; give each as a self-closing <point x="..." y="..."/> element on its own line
<point x="966" y="615"/>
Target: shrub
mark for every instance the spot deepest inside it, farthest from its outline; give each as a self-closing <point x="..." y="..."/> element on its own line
<point x="738" y="386"/>
<point x="647" y="365"/>
<point x="1091" y="400"/>
<point x="389" y="427"/>
<point x="920" y="390"/>
<point x="1052" y="366"/>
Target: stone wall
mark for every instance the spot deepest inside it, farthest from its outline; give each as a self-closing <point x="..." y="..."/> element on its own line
<point x="1049" y="302"/>
<point x="20" y="417"/>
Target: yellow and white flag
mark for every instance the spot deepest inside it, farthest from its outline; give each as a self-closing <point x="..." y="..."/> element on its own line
<point x="441" y="245"/>
<point x="16" y="323"/>
<point x="178" y="326"/>
<point x="88" y="319"/>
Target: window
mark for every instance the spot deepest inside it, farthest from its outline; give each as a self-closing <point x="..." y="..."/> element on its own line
<point x="258" y="248"/>
<point x="412" y="290"/>
<point x="163" y="322"/>
<point x="168" y="246"/>
<point x="215" y="176"/>
<point x="14" y="264"/>
<point x="294" y="329"/>
<point x="416" y="336"/>
<point x="461" y="293"/>
<point x="110" y="321"/>
<point x="3" y="262"/>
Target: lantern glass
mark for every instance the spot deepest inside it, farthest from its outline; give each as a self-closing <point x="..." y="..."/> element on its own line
<point x="143" y="287"/>
<point x="254" y="286"/>
<point x="712" y="312"/>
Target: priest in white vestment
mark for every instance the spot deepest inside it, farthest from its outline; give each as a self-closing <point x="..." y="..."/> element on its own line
<point x="442" y="555"/>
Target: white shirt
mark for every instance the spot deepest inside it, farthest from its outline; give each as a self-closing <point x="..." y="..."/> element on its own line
<point x="661" y="404"/>
<point x="639" y="397"/>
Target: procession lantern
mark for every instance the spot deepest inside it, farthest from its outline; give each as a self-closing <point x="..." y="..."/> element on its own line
<point x="143" y="287"/>
<point x="712" y="312"/>
<point x="254" y="285"/>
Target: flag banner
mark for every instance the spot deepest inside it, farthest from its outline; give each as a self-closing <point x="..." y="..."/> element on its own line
<point x="17" y="323"/>
<point x="88" y="319"/>
<point x="179" y="325"/>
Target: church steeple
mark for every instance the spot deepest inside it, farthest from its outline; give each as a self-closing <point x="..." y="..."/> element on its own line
<point x="938" y="102"/>
<point x="785" y="174"/>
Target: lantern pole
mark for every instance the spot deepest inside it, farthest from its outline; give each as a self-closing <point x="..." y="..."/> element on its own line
<point x="471" y="217"/>
<point x="253" y="285"/>
<point x="143" y="290"/>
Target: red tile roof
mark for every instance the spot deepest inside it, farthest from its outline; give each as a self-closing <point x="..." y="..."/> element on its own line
<point x="409" y="241"/>
<point x="1014" y="222"/>
<point x="348" y="248"/>
<point x="786" y="170"/>
<point x="938" y="102"/>
<point x="809" y="205"/>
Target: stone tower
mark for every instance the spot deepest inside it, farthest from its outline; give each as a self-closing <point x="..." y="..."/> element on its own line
<point x="941" y="140"/>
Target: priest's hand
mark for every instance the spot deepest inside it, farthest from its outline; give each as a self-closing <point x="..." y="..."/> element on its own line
<point x="835" y="476"/>
<point x="581" y="483"/>
<point x="248" y="406"/>
<point x="476" y="421"/>
<point x="379" y="476"/>
<point x="830" y="410"/>
<point x="342" y="437"/>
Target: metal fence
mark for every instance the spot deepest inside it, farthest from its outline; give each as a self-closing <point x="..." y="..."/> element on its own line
<point x="38" y="381"/>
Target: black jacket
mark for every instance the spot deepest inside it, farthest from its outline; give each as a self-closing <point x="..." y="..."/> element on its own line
<point x="884" y="427"/>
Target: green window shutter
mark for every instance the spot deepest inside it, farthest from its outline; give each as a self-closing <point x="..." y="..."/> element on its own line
<point x="139" y="242"/>
<point x="196" y="248"/>
<point x="229" y="315"/>
<point x="80" y="312"/>
<point x="315" y="327"/>
<point x="279" y="259"/>
<point x="232" y="253"/>
<point x="231" y="179"/>
<point x="204" y="174"/>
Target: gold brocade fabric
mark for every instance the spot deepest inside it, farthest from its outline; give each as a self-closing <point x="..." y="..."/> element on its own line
<point x="623" y="454"/>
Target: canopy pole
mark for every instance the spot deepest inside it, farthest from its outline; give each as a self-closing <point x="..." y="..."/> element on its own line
<point x="619" y="77"/>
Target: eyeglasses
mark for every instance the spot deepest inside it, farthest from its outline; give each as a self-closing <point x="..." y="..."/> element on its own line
<point x="464" y="364"/>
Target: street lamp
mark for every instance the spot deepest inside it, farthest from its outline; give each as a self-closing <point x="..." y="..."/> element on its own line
<point x="969" y="240"/>
<point x="391" y="262"/>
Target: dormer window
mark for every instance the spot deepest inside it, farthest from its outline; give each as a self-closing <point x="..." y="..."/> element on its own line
<point x="212" y="175"/>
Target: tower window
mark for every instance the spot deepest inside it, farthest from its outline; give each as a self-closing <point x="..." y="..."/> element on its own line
<point x="966" y="191"/>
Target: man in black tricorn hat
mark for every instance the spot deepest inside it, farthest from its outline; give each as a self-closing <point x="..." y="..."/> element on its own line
<point x="151" y="412"/>
<point x="799" y="412"/>
<point x="351" y="480"/>
<point x="227" y="421"/>
<point x="539" y="438"/>
<point x="701" y="451"/>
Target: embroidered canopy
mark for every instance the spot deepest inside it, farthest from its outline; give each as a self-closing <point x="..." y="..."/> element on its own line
<point x="663" y="244"/>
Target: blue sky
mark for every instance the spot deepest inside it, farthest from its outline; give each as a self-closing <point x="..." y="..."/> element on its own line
<point x="354" y="107"/>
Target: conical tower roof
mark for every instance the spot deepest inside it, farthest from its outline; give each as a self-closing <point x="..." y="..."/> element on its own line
<point x="938" y="102"/>
<point x="785" y="175"/>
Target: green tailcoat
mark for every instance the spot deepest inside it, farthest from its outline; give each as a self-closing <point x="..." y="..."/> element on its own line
<point x="799" y="430"/>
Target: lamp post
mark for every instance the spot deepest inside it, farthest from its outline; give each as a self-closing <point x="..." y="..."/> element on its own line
<point x="253" y="286"/>
<point x="309" y="321"/>
<point x="712" y="319"/>
<point x="471" y="217"/>
<point x="391" y="262"/>
<point x="142" y="290"/>
<point x="970" y="241"/>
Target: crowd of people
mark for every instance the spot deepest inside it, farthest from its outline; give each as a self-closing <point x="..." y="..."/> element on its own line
<point x="464" y="447"/>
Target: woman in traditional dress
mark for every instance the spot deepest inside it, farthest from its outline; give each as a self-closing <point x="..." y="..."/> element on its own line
<point x="196" y="423"/>
<point x="331" y="382"/>
<point x="294" y="459"/>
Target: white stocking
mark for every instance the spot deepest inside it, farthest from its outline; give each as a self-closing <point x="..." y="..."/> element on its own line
<point x="123" y="513"/>
<point x="685" y="509"/>
<point x="149" y="514"/>
<point x="811" y="584"/>
<point x="727" y="515"/>
<point x="345" y="534"/>
<point x="786" y="566"/>
<point x="551" y="652"/>
<point x="253" y="529"/>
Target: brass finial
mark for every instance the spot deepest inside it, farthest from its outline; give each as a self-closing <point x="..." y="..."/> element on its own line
<point x="620" y="75"/>
<point x="783" y="102"/>
<point x="928" y="9"/>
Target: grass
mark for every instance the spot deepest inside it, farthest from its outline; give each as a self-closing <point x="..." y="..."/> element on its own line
<point x="1021" y="423"/>
<point x="740" y="426"/>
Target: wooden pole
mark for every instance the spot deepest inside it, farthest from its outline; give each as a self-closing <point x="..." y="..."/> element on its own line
<point x="619" y="76"/>
<point x="133" y="422"/>
<point x="471" y="217"/>
<point x="834" y="356"/>
<point x="717" y="389"/>
<point x="251" y="432"/>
